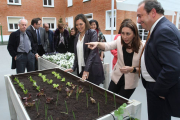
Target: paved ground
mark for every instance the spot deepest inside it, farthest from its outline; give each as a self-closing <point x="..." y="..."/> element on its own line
<point x="5" y="65"/>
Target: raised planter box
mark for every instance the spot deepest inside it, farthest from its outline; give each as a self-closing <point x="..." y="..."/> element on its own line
<point x="17" y="109"/>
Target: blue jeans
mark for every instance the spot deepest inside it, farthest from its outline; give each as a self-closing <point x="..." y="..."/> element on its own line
<point x="25" y="60"/>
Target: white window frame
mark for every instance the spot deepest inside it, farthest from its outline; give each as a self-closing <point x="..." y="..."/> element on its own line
<point x="88" y="15"/>
<point x="12" y="30"/>
<point x="107" y="23"/>
<point x="14" y="2"/>
<point x="66" y="19"/>
<point x="52" y="4"/>
<point x="50" y="25"/>
<point x="68" y="4"/>
<point x="86" y="0"/>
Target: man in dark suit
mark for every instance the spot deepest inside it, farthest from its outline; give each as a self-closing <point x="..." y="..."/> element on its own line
<point x="21" y="48"/>
<point x="160" y="62"/>
<point x="50" y="36"/>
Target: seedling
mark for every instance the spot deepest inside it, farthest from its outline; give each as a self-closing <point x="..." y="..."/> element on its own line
<point x="91" y="90"/>
<point x="73" y="86"/>
<point x="57" y="98"/>
<point x="16" y="79"/>
<point x="49" y="100"/>
<point x="69" y="92"/>
<point x="59" y="88"/>
<point x="114" y="101"/>
<point x="34" y="83"/>
<point x="58" y="77"/>
<point x="29" y="104"/>
<point x="80" y="89"/>
<point x="38" y="88"/>
<point x="27" y="98"/>
<point x="44" y="79"/>
<point x="49" y="81"/>
<point x="77" y="93"/>
<point x="37" y="107"/>
<point x="30" y="78"/>
<point x="66" y="109"/>
<point x="105" y="97"/>
<point x="41" y="93"/>
<point x="40" y="74"/>
<point x="21" y="85"/>
<point x="53" y="72"/>
<point x="119" y="112"/>
<point x="68" y="84"/>
<point x="74" y="115"/>
<point x="63" y="80"/>
<point x="25" y="91"/>
<point x="46" y="109"/>
<point x="55" y="85"/>
<point x="50" y="118"/>
<point x="98" y="108"/>
<point x="87" y="99"/>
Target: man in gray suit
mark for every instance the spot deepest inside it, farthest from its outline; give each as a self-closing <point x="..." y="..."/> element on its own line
<point x="42" y="40"/>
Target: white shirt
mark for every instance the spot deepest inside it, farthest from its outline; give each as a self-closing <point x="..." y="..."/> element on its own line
<point x="144" y="71"/>
<point x="80" y="53"/>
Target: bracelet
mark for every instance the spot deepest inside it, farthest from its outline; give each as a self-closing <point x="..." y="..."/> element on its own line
<point x="132" y="69"/>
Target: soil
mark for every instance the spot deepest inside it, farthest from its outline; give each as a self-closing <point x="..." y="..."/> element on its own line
<point x="80" y="109"/>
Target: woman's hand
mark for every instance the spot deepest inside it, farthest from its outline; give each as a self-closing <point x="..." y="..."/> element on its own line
<point x="126" y="69"/>
<point x="69" y="70"/>
<point x="92" y="45"/>
<point x="85" y="75"/>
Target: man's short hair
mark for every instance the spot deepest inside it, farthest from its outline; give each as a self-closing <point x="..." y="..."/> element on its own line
<point x="150" y="4"/>
<point x="34" y="20"/>
<point x="60" y="26"/>
<point x="21" y="20"/>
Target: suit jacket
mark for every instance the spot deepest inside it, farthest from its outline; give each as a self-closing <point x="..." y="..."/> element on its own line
<point x="14" y="40"/>
<point x="50" y="37"/>
<point x="162" y="60"/>
<point x="34" y="36"/>
<point x="131" y="79"/>
<point x="92" y="60"/>
<point x="44" y="39"/>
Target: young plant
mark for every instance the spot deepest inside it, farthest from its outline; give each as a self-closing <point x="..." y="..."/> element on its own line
<point x="73" y="86"/>
<point x="49" y="100"/>
<point x="105" y="97"/>
<point x="38" y="88"/>
<point x="58" y="77"/>
<point x="41" y="93"/>
<point x="98" y="108"/>
<point x="37" y="107"/>
<point x="44" y="78"/>
<point x="21" y="85"/>
<point x="66" y="109"/>
<point x="69" y="84"/>
<point x="46" y="109"/>
<point x="16" y="80"/>
<point x="49" y="81"/>
<point x="59" y="88"/>
<point x="80" y="89"/>
<point x="77" y="93"/>
<point x="92" y="100"/>
<point x="55" y="85"/>
<point x="29" y="104"/>
<point x="87" y="99"/>
<point x="40" y="74"/>
<point x="114" y="101"/>
<point x="34" y="83"/>
<point x="69" y="92"/>
<point x="91" y="90"/>
<point x="74" y="115"/>
<point x="25" y="91"/>
<point x="63" y="80"/>
<point x="119" y="112"/>
<point x="30" y="78"/>
<point x="53" y="72"/>
<point x="57" y="98"/>
<point x="27" y="98"/>
<point x="50" y="118"/>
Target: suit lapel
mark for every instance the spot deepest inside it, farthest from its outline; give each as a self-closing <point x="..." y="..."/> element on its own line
<point x="86" y="40"/>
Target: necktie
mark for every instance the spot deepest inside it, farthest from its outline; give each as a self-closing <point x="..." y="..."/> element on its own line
<point x="142" y="53"/>
<point x="26" y="45"/>
<point x="38" y="37"/>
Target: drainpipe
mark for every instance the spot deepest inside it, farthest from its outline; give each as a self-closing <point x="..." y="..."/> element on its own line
<point x="1" y="33"/>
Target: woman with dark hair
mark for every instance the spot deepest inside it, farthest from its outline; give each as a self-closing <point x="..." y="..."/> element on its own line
<point x="124" y="78"/>
<point x="86" y="61"/>
<point x="71" y="41"/>
<point x="94" y="25"/>
<point x="61" y="37"/>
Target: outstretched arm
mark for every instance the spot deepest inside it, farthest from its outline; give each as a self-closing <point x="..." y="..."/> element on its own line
<point x="93" y="45"/>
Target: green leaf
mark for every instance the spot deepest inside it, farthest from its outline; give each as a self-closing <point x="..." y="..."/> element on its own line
<point x="120" y="117"/>
<point x="63" y="80"/>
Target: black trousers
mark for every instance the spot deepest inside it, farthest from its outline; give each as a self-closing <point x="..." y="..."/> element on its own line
<point x="119" y="88"/>
<point x="25" y="60"/>
<point x="40" y="50"/>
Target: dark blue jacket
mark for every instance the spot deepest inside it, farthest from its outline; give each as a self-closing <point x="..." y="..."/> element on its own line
<point x="51" y="40"/>
<point x="162" y="60"/>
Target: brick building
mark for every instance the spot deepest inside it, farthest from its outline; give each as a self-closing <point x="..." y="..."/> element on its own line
<point x="50" y="11"/>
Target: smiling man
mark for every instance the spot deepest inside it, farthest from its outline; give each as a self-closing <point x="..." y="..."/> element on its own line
<point x="160" y="62"/>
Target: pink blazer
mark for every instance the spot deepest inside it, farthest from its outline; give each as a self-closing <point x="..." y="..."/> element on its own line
<point x="131" y="79"/>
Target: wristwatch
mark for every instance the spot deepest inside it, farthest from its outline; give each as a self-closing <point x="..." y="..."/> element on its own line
<point x="134" y="70"/>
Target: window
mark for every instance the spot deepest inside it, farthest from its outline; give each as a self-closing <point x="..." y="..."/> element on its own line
<point x="142" y="32"/>
<point x="69" y="3"/>
<point x="89" y="16"/>
<point x="108" y="20"/>
<point x="13" y="23"/>
<point x="48" y="3"/>
<point x="14" y="2"/>
<point x="86" y="0"/>
<point x="51" y="21"/>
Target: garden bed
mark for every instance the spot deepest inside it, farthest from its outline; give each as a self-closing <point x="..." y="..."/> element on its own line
<point x="57" y="108"/>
